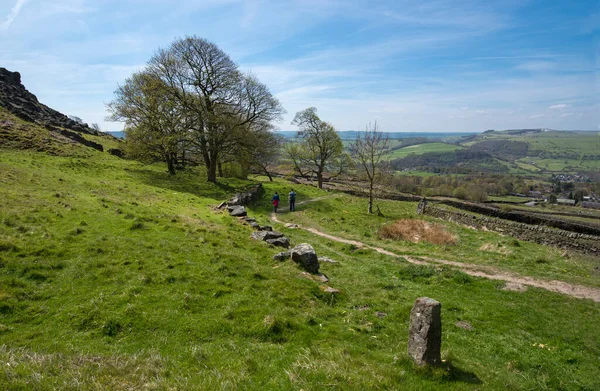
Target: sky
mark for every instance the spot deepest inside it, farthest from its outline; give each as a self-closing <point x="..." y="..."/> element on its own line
<point x="410" y="65"/>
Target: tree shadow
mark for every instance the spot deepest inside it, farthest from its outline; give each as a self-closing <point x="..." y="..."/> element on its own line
<point x="191" y="182"/>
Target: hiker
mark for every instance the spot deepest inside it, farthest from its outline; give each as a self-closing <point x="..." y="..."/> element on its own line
<point x="292" y="200"/>
<point x="275" y="200"/>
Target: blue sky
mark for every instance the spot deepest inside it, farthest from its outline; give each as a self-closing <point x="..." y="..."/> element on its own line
<point x="439" y="65"/>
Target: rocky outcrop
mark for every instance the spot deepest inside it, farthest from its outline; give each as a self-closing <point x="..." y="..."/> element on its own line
<point x="246" y="197"/>
<point x="15" y="98"/>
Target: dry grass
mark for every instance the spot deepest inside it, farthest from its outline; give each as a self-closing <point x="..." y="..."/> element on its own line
<point x="417" y="231"/>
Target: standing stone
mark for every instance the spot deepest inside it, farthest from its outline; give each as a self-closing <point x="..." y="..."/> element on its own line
<point x="425" y="332"/>
<point x="304" y="255"/>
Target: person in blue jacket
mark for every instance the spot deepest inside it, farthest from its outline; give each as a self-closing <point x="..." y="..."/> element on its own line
<point x="292" y="200"/>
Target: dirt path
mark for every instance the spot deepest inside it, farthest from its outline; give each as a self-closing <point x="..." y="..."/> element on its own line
<point x="514" y="281"/>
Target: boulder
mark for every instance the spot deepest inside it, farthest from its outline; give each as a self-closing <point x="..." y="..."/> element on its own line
<point x="266" y="235"/>
<point x="425" y="332"/>
<point x="279" y="242"/>
<point x="237" y="211"/>
<point x="304" y="255"/>
<point x="265" y="228"/>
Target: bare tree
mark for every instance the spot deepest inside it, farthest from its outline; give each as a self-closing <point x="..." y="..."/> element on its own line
<point x="318" y="148"/>
<point x="367" y="150"/>
<point x="223" y="104"/>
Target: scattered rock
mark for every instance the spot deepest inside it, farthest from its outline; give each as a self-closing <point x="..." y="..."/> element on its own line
<point x="266" y="235"/>
<point x="322" y="277"/>
<point x="304" y="255"/>
<point x="326" y="260"/>
<point x="425" y="332"/>
<point x="237" y="211"/>
<point x="254" y="224"/>
<point x="291" y="226"/>
<point x="363" y="307"/>
<point x="464" y="325"/>
<point x="265" y="228"/>
<point x="329" y="289"/>
<point x="279" y="242"/>
<point x="380" y="314"/>
<point x="222" y="205"/>
<point x="282" y="256"/>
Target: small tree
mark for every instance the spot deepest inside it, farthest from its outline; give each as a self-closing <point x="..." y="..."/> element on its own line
<point x="367" y="151"/>
<point x="318" y="148"/>
<point x="154" y="123"/>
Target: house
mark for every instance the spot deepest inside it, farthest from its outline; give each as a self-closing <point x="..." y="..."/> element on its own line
<point x="565" y="201"/>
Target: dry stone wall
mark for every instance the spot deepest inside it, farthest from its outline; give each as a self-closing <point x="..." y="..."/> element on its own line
<point x="589" y="244"/>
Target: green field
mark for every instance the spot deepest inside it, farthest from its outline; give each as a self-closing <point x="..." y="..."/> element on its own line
<point x="116" y="276"/>
<point x="420" y="149"/>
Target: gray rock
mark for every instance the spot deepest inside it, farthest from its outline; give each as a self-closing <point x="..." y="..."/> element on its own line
<point x="425" y="332"/>
<point x="265" y="228"/>
<point x="326" y="260"/>
<point x="322" y="277"/>
<point x="279" y="242"/>
<point x="380" y="314"/>
<point x="291" y="226"/>
<point x="304" y="255"/>
<point x="266" y="235"/>
<point x="331" y="290"/>
<point x="282" y="256"/>
<point x="238" y="211"/>
<point x="254" y="224"/>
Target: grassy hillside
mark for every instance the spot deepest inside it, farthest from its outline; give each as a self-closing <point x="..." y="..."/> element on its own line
<point x="421" y="149"/>
<point x="114" y="275"/>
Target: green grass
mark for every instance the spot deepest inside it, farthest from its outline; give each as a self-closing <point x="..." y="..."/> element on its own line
<point x="114" y="275"/>
<point x="346" y="216"/>
<point x="420" y="149"/>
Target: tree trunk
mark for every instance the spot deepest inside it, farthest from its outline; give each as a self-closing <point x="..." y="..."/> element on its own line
<point x="268" y="174"/>
<point x="371" y="198"/>
<point x="220" y="167"/>
<point x="320" y="179"/>
<point x="212" y="172"/>
<point x="171" y="164"/>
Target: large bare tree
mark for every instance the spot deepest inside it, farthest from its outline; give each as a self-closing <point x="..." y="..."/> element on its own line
<point x="318" y="148"/>
<point x="223" y="104"/>
<point x="367" y="151"/>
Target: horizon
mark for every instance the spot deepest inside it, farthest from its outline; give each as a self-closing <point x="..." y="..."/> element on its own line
<point x="414" y="68"/>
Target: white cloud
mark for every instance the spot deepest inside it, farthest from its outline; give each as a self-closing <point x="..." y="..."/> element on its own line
<point x="560" y="106"/>
<point x="13" y="14"/>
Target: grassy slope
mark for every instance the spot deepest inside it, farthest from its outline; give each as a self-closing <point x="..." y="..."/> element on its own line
<point x="556" y="144"/>
<point x="420" y="149"/>
<point x="115" y="276"/>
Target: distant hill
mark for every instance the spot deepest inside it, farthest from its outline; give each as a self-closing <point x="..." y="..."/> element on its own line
<point x="351" y="134"/>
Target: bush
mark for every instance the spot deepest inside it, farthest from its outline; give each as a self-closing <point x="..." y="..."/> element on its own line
<point x="417" y="231"/>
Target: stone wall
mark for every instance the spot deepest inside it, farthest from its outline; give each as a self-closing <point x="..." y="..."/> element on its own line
<point x="589" y="244"/>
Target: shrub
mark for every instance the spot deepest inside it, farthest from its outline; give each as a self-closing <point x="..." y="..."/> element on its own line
<point x="417" y="231"/>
